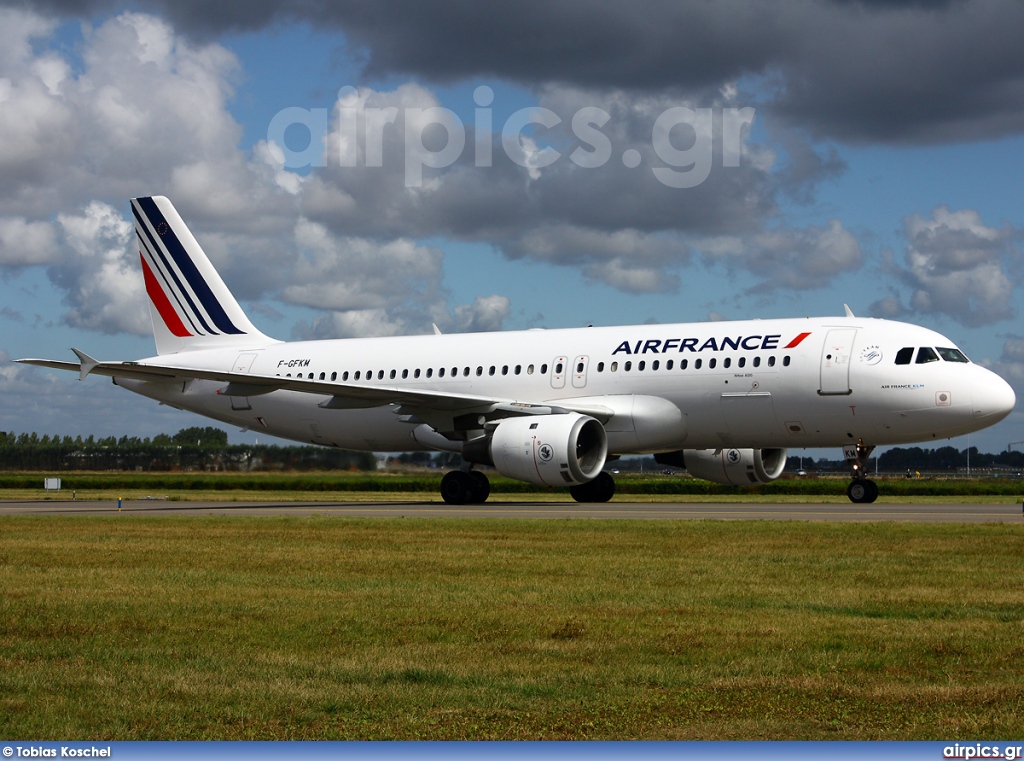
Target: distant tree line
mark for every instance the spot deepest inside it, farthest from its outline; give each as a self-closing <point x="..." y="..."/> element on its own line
<point x="194" y="448"/>
<point x="918" y="460"/>
<point x="207" y="449"/>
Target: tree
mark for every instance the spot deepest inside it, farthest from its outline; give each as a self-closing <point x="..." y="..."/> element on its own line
<point x="208" y="437"/>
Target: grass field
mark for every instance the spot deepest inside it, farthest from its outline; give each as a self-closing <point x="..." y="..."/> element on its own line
<point x="126" y="627"/>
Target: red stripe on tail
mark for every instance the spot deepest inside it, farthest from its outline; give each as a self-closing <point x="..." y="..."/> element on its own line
<point x="161" y="302"/>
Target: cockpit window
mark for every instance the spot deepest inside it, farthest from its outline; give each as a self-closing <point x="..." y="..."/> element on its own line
<point x="903" y="356"/>
<point x="951" y="355"/>
<point x="925" y="355"/>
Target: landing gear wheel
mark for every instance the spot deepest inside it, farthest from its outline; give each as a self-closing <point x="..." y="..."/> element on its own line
<point x="457" y="488"/>
<point x="481" y="487"/>
<point x="862" y="491"/>
<point x="601" y="489"/>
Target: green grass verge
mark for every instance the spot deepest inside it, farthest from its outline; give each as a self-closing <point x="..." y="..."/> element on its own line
<point x="126" y="627"/>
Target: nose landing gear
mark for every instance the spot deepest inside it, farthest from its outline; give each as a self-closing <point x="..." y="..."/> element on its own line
<point x="862" y="490"/>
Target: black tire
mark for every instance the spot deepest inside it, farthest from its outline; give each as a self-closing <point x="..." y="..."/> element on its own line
<point x="601" y="489"/>
<point x="481" y="487"/>
<point x="457" y="488"/>
<point x="862" y="491"/>
<point x="873" y="491"/>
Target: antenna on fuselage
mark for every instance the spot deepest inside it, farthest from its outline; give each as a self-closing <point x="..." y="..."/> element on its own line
<point x="849" y="312"/>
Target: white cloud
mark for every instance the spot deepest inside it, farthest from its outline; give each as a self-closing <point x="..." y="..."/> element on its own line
<point x="356" y="323"/>
<point x="103" y="280"/>
<point x="355" y="273"/>
<point x="485" y="314"/>
<point x="24" y="243"/>
<point x="628" y="276"/>
<point x="956" y="265"/>
<point x="795" y="259"/>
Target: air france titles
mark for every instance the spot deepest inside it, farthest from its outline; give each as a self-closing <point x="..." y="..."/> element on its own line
<point x="664" y="346"/>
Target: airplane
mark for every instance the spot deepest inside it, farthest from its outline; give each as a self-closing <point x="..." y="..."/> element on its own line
<point x="725" y="400"/>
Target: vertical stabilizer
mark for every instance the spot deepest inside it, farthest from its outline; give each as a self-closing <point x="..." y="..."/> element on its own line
<point x="189" y="303"/>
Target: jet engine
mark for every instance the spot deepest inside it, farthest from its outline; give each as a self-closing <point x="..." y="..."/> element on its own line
<point x="738" y="467"/>
<point x="547" y="450"/>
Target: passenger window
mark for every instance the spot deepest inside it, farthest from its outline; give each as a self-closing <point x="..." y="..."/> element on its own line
<point x="334" y="376"/>
<point x="440" y="372"/>
<point x="711" y="363"/>
<point x="455" y="371"/>
<point x="903" y="355"/>
<point x="519" y="369"/>
<point x="323" y="376"/>
<point x="416" y="373"/>
<point x="504" y="369"/>
<point x="697" y="363"/>
<point x="668" y="365"/>
<point x="430" y="372"/>
<point x="405" y="374"/>
<point x="479" y="371"/>
<point x="344" y="375"/>
<point x="683" y="363"/>
<point x="600" y="367"/>
<point x="926" y="355"/>
<point x="951" y="355"/>
<point x="465" y="371"/>
<point x="310" y="376"/>
<point x="771" y="361"/>
<point x="628" y="366"/>
<point x="757" y="361"/>
<point x="727" y="362"/>
<point x="615" y="367"/>
<point x="641" y="365"/>
<point x="544" y="369"/>
<point x="357" y="375"/>
<point x="380" y="374"/>
<point x="785" y="361"/>
<point x="392" y="375"/>
<point x="742" y="362"/>
<point x="529" y="370"/>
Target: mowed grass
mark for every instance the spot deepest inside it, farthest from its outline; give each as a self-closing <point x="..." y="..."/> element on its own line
<point x="127" y="627"/>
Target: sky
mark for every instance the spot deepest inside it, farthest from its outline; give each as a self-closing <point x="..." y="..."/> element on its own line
<point x="370" y="168"/>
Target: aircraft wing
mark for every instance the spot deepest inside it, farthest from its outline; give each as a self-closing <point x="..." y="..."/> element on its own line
<point x="343" y="395"/>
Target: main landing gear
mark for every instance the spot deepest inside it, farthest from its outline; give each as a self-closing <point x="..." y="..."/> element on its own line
<point x="862" y="490"/>
<point x="601" y="489"/>
<point x="471" y="487"/>
<point x="465" y="487"/>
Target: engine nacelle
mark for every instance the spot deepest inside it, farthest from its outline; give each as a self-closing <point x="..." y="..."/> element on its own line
<point x="739" y="467"/>
<point x="547" y="450"/>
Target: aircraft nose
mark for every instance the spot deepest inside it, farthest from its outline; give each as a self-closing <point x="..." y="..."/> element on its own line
<point x="993" y="398"/>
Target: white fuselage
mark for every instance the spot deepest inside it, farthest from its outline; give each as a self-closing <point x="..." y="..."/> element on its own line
<point x="758" y="383"/>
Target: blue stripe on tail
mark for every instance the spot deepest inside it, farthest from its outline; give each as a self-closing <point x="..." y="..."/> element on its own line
<point x="165" y="271"/>
<point x="188" y="268"/>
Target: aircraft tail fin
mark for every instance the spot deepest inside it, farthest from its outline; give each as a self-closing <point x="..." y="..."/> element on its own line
<point x="190" y="305"/>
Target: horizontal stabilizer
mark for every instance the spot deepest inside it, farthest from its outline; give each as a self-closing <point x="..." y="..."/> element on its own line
<point x="88" y="363"/>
